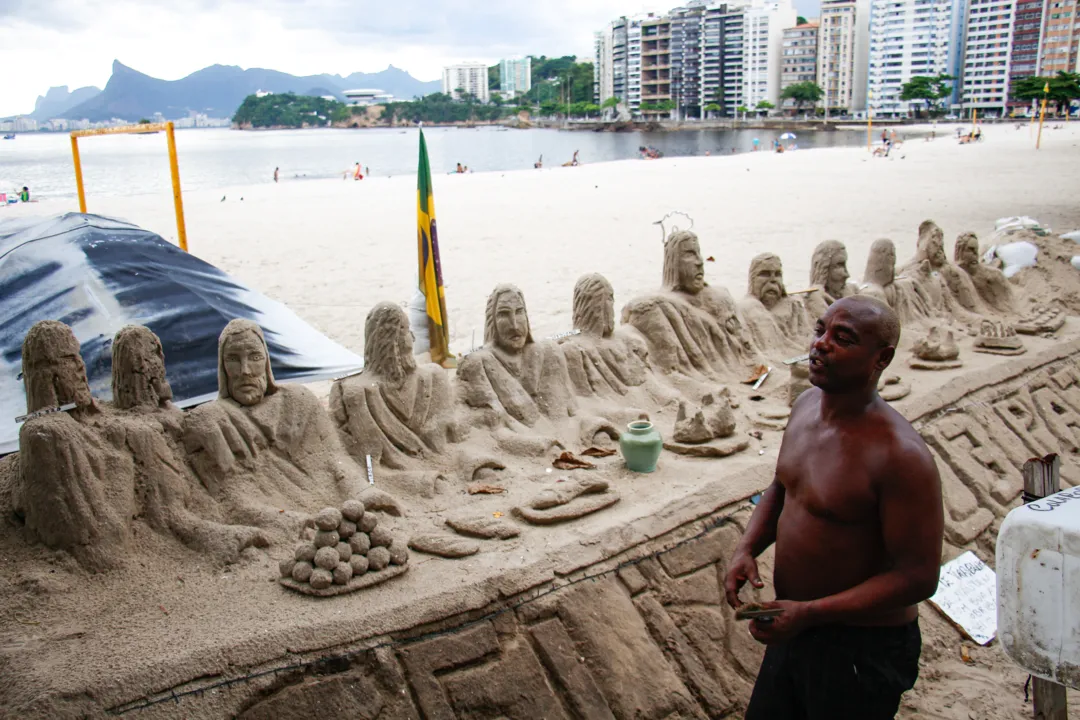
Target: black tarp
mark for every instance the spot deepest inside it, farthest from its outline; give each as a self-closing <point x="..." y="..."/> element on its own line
<point x="97" y="275"/>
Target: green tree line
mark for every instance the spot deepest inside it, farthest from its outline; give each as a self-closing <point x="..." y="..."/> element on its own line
<point x="289" y="110"/>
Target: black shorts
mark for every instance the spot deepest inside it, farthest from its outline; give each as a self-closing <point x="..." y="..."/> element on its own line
<point x="837" y="672"/>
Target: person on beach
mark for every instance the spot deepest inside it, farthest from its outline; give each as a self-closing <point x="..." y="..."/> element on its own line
<point x="756" y="143"/>
<point x="855" y="512"/>
<point x="358" y="171"/>
<point x="460" y="169"/>
<point x="24" y="196"/>
<point x="276" y="174"/>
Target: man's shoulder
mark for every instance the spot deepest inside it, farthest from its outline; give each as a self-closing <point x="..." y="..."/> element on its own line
<point x="905" y="449"/>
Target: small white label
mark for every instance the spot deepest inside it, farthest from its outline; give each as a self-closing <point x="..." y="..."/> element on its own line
<point x="370" y="472"/>
<point x="967" y="595"/>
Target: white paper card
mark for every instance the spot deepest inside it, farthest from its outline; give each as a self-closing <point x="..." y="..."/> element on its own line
<point x="967" y="595"/>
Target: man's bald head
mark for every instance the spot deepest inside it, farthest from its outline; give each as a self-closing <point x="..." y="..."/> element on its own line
<point x="875" y="317"/>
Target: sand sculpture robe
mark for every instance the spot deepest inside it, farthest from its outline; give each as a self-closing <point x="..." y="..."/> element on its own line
<point x="786" y="328"/>
<point x="817" y="301"/>
<point x="282" y="454"/>
<point x="608" y="366"/>
<point x="692" y="334"/>
<point x="394" y="425"/>
<point x="992" y="287"/>
<point x="538" y="386"/>
<point x="904" y="296"/>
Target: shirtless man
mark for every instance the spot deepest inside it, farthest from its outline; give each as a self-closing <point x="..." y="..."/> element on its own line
<point x="856" y="514"/>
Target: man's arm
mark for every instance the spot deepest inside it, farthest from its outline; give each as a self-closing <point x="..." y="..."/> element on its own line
<point x="912" y="523"/>
<point x="760" y="534"/>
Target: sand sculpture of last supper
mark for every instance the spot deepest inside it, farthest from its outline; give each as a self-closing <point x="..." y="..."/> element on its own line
<point x="506" y="482"/>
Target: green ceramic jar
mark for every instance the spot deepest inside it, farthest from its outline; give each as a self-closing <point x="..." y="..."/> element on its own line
<point x="641" y="445"/>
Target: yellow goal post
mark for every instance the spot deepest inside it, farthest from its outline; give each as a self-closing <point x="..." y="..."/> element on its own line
<point x="174" y="168"/>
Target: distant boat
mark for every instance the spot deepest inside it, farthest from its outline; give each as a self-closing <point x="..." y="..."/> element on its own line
<point x="9" y="137"/>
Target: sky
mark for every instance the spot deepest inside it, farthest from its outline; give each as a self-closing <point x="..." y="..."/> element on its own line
<point x="45" y="43"/>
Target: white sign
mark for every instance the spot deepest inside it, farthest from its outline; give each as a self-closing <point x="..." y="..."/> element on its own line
<point x="967" y="595"/>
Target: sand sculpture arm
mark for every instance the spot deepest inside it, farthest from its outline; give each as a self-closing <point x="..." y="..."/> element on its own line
<point x="217" y="439"/>
<point x="368" y="427"/>
<point x="499" y="403"/>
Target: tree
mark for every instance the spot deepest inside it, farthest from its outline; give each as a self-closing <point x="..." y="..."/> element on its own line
<point x="144" y="121"/>
<point x="764" y="106"/>
<point x="1064" y="88"/>
<point x="611" y="102"/>
<point x="802" y="93"/>
<point x="494" y="77"/>
<point x="496" y="99"/>
<point x="800" y="20"/>
<point x="929" y="89"/>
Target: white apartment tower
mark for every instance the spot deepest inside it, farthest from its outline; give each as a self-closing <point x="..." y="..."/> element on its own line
<point x="909" y="38"/>
<point x="843" y="54"/>
<point x="764" y="22"/>
<point x="515" y="77"/>
<point x="603" y="66"/>
<point x="468" y="78"/>
<point x="988" y="48"/>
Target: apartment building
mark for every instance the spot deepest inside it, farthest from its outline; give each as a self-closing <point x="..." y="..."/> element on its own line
<point x="1026" y="39"/>
<point x="656" y="60"/>
<point x="799" y="58"/>
<point x="988" y="49"/>
<point x="763" y="39"/>
<point x="687" y="51"/>
<point x="1060" y="46"/>
<point x="466" y="78"/>
<point x="624" y="51"/>
<point x="603" y="69"/>
<point x="515" y="76"/>
<point x="909" y="38"/>
<point x="843" y="54"/>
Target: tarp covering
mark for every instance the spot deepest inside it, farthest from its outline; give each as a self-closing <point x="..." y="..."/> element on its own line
<point x="97" y="275"/>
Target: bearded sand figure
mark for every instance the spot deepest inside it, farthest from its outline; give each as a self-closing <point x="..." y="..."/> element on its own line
<point x="75" y="489"/>
<point x="395" y="411"/>
<point x="262" y="447"/>
<point x="691" y="327"/>
<point x="777" y="321"/>
<point x="949" y="290"/>
<point x="513" y="381"/>
<point x="989" y="282"/>
<point x="829" y="276"/>
<point x="880" y="281"/>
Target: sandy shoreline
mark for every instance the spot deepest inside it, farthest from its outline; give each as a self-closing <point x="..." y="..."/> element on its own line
<point x="332" y="249"/>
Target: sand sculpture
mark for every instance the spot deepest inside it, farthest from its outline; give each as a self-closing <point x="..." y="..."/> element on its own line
<point x="880" y="281"/>
<point x="395" y="411"/>
<point x="829" y="277"/>
<point x="513" y="381"/>
<point x="260" y="447"/>
<point x="567" y="499"/>
<point x="697" y="430"/>
<point x="691" y="327"/>
<point x="989" y="282"/>
<point x="937" y="351"/>
<point x="348" y="551"/>
<point x="998" y="338"/>
<point x="1041" y="320"/>
<point x="777" y="321"/>
<point x="949" y="289"/>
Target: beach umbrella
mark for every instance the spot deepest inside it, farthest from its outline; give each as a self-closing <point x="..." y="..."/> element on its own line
<point x="97" y="275"/>
<point x="431" y="282"/>
<point x="787" y="136"/>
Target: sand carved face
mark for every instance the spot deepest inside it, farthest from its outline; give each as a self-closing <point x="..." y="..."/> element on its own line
<point x="932" y="245"/>
<point x="881" y="265"/>
<point x="244" y="372"/>
<point x="388" y="342"/>
<point x="828" y="268"/>
<point x="53" y="370"/>
<point x="138" y="375"/>
<point x="506" y="322"/>
<point x="966" y="252"/>
<point x="684" y="268"/>
<point x="767" y="280"/>
<point x="594" y="306"/>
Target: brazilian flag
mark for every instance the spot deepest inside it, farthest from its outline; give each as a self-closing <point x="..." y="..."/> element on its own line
<point x="431" y="282"/>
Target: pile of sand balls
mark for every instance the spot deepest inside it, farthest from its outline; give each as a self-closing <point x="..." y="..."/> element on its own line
<point x="347" y="544"/>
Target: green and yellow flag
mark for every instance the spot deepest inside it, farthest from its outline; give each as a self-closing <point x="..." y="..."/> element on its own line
<point x="431" y="282"/>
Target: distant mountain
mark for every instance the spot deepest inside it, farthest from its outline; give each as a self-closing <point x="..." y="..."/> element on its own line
<point x="219" y="89"/>
<point x="58" y="100"/>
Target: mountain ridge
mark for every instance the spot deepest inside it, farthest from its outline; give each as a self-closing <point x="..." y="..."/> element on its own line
<point x="218" y="90"/>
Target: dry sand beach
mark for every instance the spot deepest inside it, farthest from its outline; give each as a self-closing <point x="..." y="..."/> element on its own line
<point x="333" y="249"/>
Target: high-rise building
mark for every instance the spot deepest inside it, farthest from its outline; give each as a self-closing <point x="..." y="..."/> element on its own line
<point x="799" y="59"/>
<point x="656" y="60"/>
<point x="468" y="79"/>
<point x="625" y="53"/>
<point x="732" y="52"/>
<point x="763" y="41"/>
<point x="1026" y="39"/>
<point x="1060" y="46"/>
<point x="910" y="38"/>
<point x="988" y="41"/>
<point x="603" y="66"/>
<point x="515" y="77"/>
<point x="843" y="54"/>
<point x="687" y="54"/>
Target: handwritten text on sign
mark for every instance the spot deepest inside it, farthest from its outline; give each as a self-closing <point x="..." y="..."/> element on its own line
<point x="967" y="595"/>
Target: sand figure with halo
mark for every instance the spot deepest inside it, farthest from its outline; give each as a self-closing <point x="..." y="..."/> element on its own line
<point x="261" y="448"/>
<point x="692" y="328"/>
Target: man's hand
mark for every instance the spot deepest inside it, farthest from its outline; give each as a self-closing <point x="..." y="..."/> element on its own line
<point x="742" y="567"/>
<point x="795" y="618"/>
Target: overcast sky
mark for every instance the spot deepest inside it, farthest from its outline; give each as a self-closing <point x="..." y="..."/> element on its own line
<point x="44" y="43"/>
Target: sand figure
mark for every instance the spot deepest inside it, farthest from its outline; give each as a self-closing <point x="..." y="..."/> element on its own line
<point x="394" y="411"/>
<point x="989" y="282"/>
<point x="513" y="381"/>
<point x="880" y="281"/>
<point x="602" y="360"/>
<point x="262" y="447"/>
<point x="1041" y="320"/>
<point x="696" y="429"/>
<point x="937" y="351"/>
<point x="777" y="321"/>
<point x="691" y="327"/>
<point x="998" y="338"/>
<point x="829" y="275"/>
<point x="567" y="499"/>
<point x="948" y="289"/>
<point x="349" y="551"/>
<point x="75" y="491"/>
